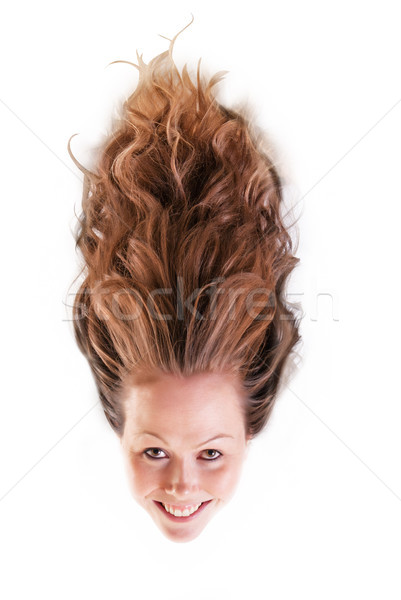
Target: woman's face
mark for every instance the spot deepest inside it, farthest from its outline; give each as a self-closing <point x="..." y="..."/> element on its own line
<point x="184" y="444"/>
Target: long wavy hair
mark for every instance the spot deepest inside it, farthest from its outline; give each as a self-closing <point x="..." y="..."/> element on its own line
<point x="185" y="254"/>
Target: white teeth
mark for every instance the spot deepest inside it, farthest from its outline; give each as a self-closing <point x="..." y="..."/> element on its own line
<point x="178" y="513"/>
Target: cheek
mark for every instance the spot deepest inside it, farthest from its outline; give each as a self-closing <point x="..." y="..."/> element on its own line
<point x="142" y="479"/>
<point x="223" y="481"/>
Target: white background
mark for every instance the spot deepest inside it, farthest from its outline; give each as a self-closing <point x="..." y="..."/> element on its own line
<point x="318" y="511"/>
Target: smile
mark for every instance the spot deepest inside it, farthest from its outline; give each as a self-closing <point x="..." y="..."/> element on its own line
<point x="186" y="514"/>
<point x="188" y="510"/>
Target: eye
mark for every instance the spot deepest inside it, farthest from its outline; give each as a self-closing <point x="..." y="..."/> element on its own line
<point x="155" y="453"/>
<point x="211" y="454"/>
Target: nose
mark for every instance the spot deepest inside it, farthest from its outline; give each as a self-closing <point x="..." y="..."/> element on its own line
<point x="181" y="479"/>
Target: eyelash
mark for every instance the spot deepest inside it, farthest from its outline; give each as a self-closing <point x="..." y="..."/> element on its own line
<point x="160" y="457"/>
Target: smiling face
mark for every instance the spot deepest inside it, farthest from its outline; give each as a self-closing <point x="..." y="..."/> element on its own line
<point x="184" y="444"/>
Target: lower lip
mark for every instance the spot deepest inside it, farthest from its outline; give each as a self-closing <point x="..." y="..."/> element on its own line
<point x="182" y="519"/>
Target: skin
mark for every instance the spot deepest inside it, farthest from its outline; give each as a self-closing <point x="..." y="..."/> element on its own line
<point x="183" y="414"/>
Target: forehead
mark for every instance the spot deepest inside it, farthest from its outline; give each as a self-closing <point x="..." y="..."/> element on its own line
<point x="192" y="405"/>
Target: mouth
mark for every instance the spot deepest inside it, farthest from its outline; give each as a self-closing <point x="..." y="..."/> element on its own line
<point x="182" y="519"/>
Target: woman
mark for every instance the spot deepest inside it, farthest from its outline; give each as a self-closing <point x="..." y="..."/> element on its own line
<point x="181" y="313"/>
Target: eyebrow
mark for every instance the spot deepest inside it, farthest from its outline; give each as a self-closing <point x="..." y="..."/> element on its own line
<point x="216" y="437"/>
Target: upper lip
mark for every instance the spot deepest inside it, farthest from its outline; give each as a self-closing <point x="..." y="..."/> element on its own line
<point x="186" y="505"/>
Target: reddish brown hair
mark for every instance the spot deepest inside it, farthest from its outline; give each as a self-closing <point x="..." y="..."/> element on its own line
<point x="186" y="256"/>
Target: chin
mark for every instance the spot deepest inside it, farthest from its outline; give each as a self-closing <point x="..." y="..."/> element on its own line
<point x="182" y="536"/>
